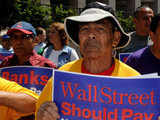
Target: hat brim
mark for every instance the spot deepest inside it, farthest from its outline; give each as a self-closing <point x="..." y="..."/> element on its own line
<point x="72" y="26"/>
<point x="17" y="29"/>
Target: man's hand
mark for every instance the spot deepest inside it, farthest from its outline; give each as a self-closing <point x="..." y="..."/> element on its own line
<point x="48" y="111"/>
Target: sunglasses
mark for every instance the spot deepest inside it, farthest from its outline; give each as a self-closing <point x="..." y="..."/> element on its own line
<point x="23" y="37"/>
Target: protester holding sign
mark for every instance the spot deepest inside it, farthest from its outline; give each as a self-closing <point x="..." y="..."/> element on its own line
<point x="22" y="35"/>
<point x="15" y="100"/>
<point x="94" y="30"/>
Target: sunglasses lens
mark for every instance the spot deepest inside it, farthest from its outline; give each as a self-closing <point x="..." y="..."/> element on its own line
<point x="24" y="36"/>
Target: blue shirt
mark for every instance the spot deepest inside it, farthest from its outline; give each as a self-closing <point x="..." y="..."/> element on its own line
<point x="67" y="54"/>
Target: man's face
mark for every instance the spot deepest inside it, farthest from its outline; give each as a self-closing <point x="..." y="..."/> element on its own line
<point x="144" y="19"/>
<point x="40" y="38"/>
<point x="22" y="43"/>
<point x="6" y="43"/>
<point x="96" y="39"/>
<point x="156" y="37"/>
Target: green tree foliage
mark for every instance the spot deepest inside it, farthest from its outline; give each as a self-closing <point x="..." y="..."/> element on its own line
<point x="6" y="12"/>
<point x="61" y="13"/>
<point x="39" y="15"/>
<point x="31" y="11"/>
<point x="126" y="22"/>
<point x="61" y="10"/>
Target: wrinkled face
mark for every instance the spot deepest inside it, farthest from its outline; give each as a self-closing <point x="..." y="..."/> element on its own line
<point x="96" y="38"/>
<point x="21" y="43"/>
<point x="144" y="19"/>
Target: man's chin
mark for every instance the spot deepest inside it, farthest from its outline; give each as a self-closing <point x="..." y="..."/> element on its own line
<point x="19" y="52"/>
<point x="91" y="50"/>
<point x="91" y="55"/>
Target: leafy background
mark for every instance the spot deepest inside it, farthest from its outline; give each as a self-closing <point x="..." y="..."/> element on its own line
<point x="32" y="11"/>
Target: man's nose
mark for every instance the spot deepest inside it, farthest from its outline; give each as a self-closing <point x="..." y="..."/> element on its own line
<point x="92" y="35"/>
<point x="18" y="41"/>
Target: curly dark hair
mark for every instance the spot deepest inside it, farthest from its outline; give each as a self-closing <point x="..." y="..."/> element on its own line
<point x="59" y="27"/>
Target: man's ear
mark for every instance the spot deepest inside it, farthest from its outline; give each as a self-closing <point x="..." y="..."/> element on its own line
<point x="151" y="34"/>
<point x="117" y="37"/>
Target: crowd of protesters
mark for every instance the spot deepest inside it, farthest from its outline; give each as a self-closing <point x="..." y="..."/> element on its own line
<point x="97" y="32"/>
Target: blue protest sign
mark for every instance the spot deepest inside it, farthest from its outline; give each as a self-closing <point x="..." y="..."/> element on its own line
<point x="123" y="57"/>
<point x="87" y="97"/>
<point x="34" y="78"/>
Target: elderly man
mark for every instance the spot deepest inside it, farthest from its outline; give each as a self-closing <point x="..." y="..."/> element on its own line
<point x="95" y="30"/>
<point x="15" y="100"/>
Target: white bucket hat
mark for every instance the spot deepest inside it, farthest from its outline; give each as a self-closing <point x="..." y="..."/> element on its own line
<point x="71" y="24"/>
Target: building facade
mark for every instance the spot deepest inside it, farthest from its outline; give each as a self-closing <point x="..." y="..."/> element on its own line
<point x="127" y="6"/>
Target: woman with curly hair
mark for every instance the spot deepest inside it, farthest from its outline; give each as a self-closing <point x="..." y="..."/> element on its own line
<point x="58" y="50"/>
